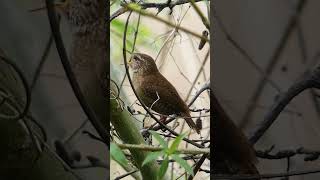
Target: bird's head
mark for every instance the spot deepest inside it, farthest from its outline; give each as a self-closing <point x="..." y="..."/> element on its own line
<point x="81" y="13"/>
<point x="142" y="64"/>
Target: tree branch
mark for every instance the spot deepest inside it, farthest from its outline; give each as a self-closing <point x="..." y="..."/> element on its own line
<point x="153" y="148"/>
<point x="159" y="6"/>
<point x="289" y="29"/>
<point x="97" y="124"/>
<point x="134" y="90"/>
<point x="267" y="176"/>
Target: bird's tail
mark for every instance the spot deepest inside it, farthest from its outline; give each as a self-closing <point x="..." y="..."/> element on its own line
<point x="190" y="122"/>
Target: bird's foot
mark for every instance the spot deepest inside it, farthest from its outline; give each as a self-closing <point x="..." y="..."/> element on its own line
<point x="163" y="118"/>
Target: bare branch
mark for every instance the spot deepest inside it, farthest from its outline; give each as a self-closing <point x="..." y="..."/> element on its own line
<point x="97" y="124"/>
<point x="134" y="90"/>
<point x="267" y="176"/>
<point x="159" y="6"/>
<point x="309" y="80"/>
<point x="273" y="61"/>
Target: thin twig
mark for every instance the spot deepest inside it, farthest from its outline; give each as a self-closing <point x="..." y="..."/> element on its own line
<point x="97" y="124"/>
<point x="155" y="128"/>
<point x="63" y="163"/>
<point x="159" y="6"/>
<point x="277" y="108"/>
<point x="289" y="29"/>
<point x="267" y="176"/>
<point x="198" y="165"/>
<point x="199" y="12"/>
<point x="309" y="155"/>
<point x="23" y="79"/>
<point x="203" y="88"/>
<point x="134" y="90"/>
<point x="194" y="82"/>
<point x="308" y="80"/>
<point x="198" y="74"/>
<point x="67" y="140"/>
<point x="186" y="30"/>
<point x="126" y="174"/>
<point x="41" y="63"/>
<point x="244" y="53"/>
<point x="133" y="48"/>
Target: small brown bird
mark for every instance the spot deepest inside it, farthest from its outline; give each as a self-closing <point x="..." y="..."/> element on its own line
<point x="88" y="50"/>
<point x="233" y="152"/>
<point x="155" y="91"/>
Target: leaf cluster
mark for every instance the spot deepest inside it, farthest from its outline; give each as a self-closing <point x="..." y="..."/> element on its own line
<point x="168" y="152"/>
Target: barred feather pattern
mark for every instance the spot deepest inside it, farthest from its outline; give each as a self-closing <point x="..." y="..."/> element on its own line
<point x="156" y="91"/>
<point x="85" y="15"/>
<point x="88" y="51"/>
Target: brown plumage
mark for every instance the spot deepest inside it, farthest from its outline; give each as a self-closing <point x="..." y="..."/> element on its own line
<point x="156" y="91"/>
<point x="233" y="154"/>
<point x="88" y="51"/>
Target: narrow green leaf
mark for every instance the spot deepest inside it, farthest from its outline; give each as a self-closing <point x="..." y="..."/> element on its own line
<point x="118" y="25"/>
<point x="152" y="156"/>
<point x="117" y="154"/>
<point x="163" y="143"/>
<point x="176" y="143"/>
<point x="183" y="163"/>
<point x="163" y="168"/>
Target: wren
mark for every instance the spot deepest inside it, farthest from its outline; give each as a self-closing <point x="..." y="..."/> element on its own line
<point x="155" y="91"/>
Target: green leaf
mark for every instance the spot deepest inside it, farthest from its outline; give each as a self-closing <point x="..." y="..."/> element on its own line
<point x="183" y="163"/>
<point x="163" y="168"/>
<point x="163" y="143"/>
<point x="118" y="25"/>
<point x="117" y="155"/>
<point x="176" y="143"/>
<point x="152" y="156"/>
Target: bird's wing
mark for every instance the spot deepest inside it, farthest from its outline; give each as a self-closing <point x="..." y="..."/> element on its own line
<point x="162" y="94"/>
<point x="88" y="63"/>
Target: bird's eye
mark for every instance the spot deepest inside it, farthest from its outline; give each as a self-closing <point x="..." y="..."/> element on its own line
<point x="136" y="58"/>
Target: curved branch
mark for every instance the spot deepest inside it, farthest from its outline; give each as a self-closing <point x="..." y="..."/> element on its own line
<point x="159" y="6"/>
<point x="72" y="79"/>
<point x="268" y="176"/>
<point x="277" y="109"/>
<point x="25" y="85"/>
<point x="289" y="29"/>
<point x="198" y="166"/>
<point x="186" y="30"/>
<point x="309" y="81"/>
<point x="135" y="92"/>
